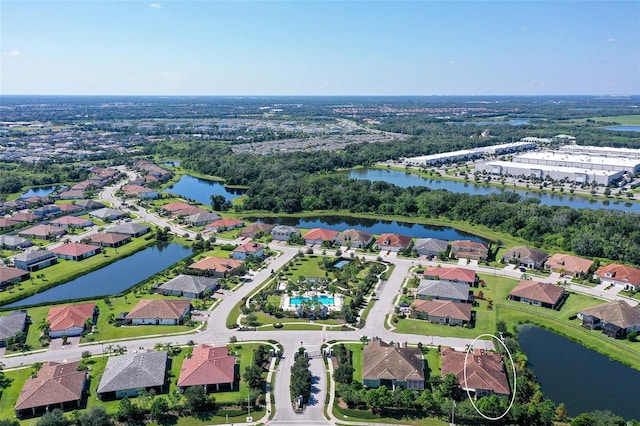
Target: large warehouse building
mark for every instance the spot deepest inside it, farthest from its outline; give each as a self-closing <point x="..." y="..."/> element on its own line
<point x="602" y="151"/>
<point x="579" y="175"/>
<point x="469" y="154"/>
<point x="590" y="162"/>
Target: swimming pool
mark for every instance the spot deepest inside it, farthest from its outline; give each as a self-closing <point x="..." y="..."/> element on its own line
<point x="341" y="263"/>
<point x="325" y="300"/>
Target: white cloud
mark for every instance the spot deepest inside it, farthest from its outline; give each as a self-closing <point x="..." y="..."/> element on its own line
<point x="12" y="53"/>
<point x="155" y="5"/>
<point x="611" y="40"/>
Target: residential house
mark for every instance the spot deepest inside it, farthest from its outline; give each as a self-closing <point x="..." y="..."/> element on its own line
<point x="248" y="249"/>
<point x="217" y="266"/>
<point x="109" y="239"/>
<point x="444" y="290"/>
<point x="469" y="250"/>
<point x="159" y="312"/>
<point x="11" y="324"/>
<point x="71" y="222"/>
<point x="430" y="246"/>
<point x="175" y="206"/>
<point x="89" y="204"/>
<point x="7" y="223"/>
<point x="485" y="372"/>
<point x="10" y="276"/>
<point x="567" y="264"/>
<point x="72" y="194"/>
<point x="69" y="208"/>
<point x="37" y="200"/>
<point x="224" y="224"/>
<point x="70" y="320"/>
<point x="17" y="204"/>
<point x="56" y="385"/>
<point x="535" y="293"/>
<point x="47" y="210"/>
<point x="140" y="192"/>
<point x="616" y="318"/>
<point x="201" y="218"/>
<point x="256" y="228"/>
<point x="525" y="256"/>
<point x="442" y="311"/>
<point x="76" y="251"/>
<point x="283" y="232"/>
<point x="130" y="229"/>
<point x="190" y="212"/>
<point x="129" y="374"/>
<point x="34" y="260"/>
<point x="454" y="275"/>
<point x="189" y="286"/>
<point x="13" y="242"/>
<point x="319" y="236"/>
<point x="393" y="242"/>
<point x="354" y="238"/>
<point x="25" y="217"/>
<point x="107" y="213"/>
<point x="42" y="232"/>
<point x="390" y="365"/>
<point x="621" y="276"/>
<point x="210" y="367"/>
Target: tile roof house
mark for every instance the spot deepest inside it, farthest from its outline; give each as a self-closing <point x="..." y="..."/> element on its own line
<point x="11" y="324"/>
<point x="454" y="275"/>
<point x="34" y="260"/>
<point x="430" y="246"/>
<point x="139" y="192"/>
<point x="69" y="208"/>
<point x="283" y="232"/>
<point x="616" y="318"/>
<point x="189" y="212"/>
<point x="10" y="276"/>
<point x="444" y="290"/>
<point x="47" y="210"/>
<point x="109" y="239"/>
<point x="89" y="204"/>
<point x="76" y="251"/>
<point x="224" y="224"/>
<point x="25" y="217"/>
<point x="256" y="228"/>
<point x="130" y="229"/>
<point x="486" y="374"/>
<point x="57" y="385"/>
<point x="442" y="311"/>
<point x="190" y="286"/>
<point x="210" y="367"/>
<point x="248" y="249"/>
<point x="469" y="250"/>
<point x="568" y="264"/>
<point x="217" y="266"/>
<point x="621" y="276"/>
<point x="70" y="319"/>
<point x="42" y="232"/>
<point x="107" y="213"/>
<point x="354" y="238"/>
<point x="525" y="256"/>
<point x="538" y="294"/>
<point x="201" y="218"/>
<point x="127" y="375"/>
<point x="159" y="312"/>
<point x="178" y="205"/>
<point x="392" y="365"/>
<point x="7" y="222"/>
<point x="71" y="222"/>
<point x="319" y="235"/>
<point x="72" y="194"/>
<point x="393" y="242"/>
<point x="14" y="242"/>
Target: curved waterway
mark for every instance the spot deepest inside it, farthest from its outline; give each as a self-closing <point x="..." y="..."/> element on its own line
<point x="404" y="180"/>
<point x="201" y="190"/>
<point x="113" y="278"/>
<point x="581" y="378"/>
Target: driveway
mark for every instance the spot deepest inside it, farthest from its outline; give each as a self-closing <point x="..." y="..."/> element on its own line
<point x="56" y="344"/>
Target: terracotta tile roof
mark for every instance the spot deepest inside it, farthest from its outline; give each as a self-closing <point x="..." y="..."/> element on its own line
<point x="484" y="370"/>
<point x="523" y="252"/>
<point x="354" y="235"/>
<point x="178" y="205"/>
<point x="621" y="273"/>
<point x="7" y="273"/>
<point x="189" y="211"/>
<point x="226" y="222"/>
<point x="159" y="308"/>
<point x="444" y="309"/>
<point x="62" y="318"/>
<point x="320" y="234"/>
<point x="471" y="245"/>
<point x="136" y="189"/>
<point x="56" y="383"/>
<point x="217" y="264"/>
<point x="249" y="247"/>
<point x="384" y="361"/>
<point x="393" y="240"/>
<point x="254" y="228"/>
<point x="571" y="264"/>
<point x="68" y="207"/>
<point x="74" y="249"/>
<point x="42" y="231"/>
<point x="617" y="312"/>
<point x="6" y="222"/>
<point x="207" y="365"/>
<point x="109" y="238"/>
<point x="25" y="217"/>
<point x="450" y="274"/>
<point x="70" y="220"/>
<point x="534" y="290"/>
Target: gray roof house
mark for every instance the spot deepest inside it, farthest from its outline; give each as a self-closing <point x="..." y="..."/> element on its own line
<point x="107" y="213"/>
<point x="130" y="229"/>
<point x="200" y="219"/>
<point x="283" y="232"/>
<point x="525" y="256"/>
<point x="190" y="286"/>
<point x="444" y="290"/>
<point x="616" y="318"/>
<point x="12" y="324"/>
<point x="88" y="204"/>
<point x="430" y="246"/>
<point x="34" y="260"/>
<point x="14" y="242"/>
<point x="128" y="374"/>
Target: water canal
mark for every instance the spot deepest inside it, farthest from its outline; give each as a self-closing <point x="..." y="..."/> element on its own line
<point x="115" y="277"/>
<point x="581" y="378"/>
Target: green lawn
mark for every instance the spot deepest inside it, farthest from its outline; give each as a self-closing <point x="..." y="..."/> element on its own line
<point x="307" y="266"/>
<point x="9" y="395"/>
<point x="357" y="350"/>
<point x="620" y="119"/>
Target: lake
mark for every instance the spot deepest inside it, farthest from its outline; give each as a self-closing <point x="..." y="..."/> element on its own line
<point x="42" y="191"/>
<point x="374" y="226"/>
<point x="404" y="180"/>
<point x="630" y="128"/>
<point x="581" y="378"/>
<point x="201" y="190"/>
<point x="514" y="122"/>
<point x="113" y="278"/>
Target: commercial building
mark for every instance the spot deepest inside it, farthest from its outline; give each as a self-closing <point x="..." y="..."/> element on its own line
<point x="583" y="161"/>
<point x="602" y="151"/>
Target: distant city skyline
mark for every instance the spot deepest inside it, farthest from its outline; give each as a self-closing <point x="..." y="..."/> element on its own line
<point x="319" y="48"/>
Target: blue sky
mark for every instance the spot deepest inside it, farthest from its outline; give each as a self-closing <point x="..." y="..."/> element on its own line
<point x="319" y="47"/>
